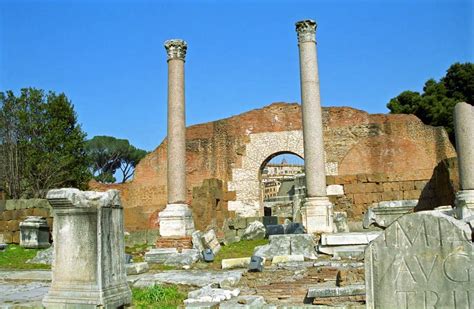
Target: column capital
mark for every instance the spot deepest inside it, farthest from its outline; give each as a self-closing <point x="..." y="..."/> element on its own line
<point x="176" y="49"/>
<point x="306" y="30"/>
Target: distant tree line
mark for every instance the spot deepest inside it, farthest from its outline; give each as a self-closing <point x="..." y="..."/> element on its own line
<point x="109" y="155"/>
<point x="43" y="147"/>
<point x="435" y="105"/>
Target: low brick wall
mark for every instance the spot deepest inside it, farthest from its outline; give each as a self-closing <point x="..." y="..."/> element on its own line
<point x="16" y="211"/>
<point x="432" y="188"/>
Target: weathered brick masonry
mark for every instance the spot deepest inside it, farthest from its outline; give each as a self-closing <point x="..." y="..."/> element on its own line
<point x="376" y="157"/>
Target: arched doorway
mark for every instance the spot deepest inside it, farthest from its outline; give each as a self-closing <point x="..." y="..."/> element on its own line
<point x="278" y="176"/>
<point x="245" y="181"/>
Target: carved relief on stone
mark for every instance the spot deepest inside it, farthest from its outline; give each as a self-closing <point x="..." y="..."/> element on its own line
<point x="306" y="30"/>
<point x="176" y="49"/>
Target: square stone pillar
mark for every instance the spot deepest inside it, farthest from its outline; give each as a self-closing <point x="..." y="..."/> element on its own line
<point x="89" y="250"/>
<point x="34" y="233"/>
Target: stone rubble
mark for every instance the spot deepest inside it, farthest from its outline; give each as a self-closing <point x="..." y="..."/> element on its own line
<point x="199" y="278"/>
<point x="278" y="259"/>
<point x="45" y="256"/>
<point x="137" y="268"/>
<point x="255" y="230"/>
<point x="159" y="255"/>
<point x="208" y="294"/>
<point x="210" y="241"/>
<point x="187" y="257"/>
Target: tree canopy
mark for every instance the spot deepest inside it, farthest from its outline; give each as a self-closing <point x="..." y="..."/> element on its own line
<point x="435" y="106"/>
<point x="108" y="154"/>
<point x="41" y="144"/>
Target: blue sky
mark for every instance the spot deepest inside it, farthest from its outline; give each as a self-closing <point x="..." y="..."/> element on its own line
<point x="108" y="57"/>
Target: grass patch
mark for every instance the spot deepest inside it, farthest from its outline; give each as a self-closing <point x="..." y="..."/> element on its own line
<point x="162" y="267"/>
<point x="158" y="296"/>
<point x="137" y="252"/>
<point x="15" y="257"/>
<point x="243" y="248"/>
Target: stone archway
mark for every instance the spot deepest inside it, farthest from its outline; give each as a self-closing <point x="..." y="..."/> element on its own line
<point x="246" y="179"/>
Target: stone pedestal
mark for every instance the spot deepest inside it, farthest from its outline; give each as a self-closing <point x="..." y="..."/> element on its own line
<point x="317" y="215"/>
<point x="464" y="204"/>
<point x="89" y="252"/>
<point x="34" y="233"/>
<point x="464" y="130"/>
<point x="176" y="220"/>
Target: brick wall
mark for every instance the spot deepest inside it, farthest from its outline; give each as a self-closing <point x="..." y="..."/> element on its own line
<point x="398" y="149"/>
<point x="432" y="188"/>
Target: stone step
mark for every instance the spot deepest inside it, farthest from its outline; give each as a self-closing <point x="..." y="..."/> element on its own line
<point x="339" y="264"/>
<point x="350" y="290"/>
<point x="350" y="238"/>
<point x="345" y="252"/>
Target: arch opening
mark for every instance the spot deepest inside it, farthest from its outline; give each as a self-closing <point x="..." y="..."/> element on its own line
<point x="278" y="178"/>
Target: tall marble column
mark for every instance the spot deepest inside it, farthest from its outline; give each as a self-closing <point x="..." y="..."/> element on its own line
<point x="464" y="130"/>
<point x="176" y="219"/>
<point x="317" y="210"/>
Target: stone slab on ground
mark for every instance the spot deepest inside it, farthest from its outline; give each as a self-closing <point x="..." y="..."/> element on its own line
<point x="279" y="245"/>
<point x="197" y="278"/>
<point x="299" y="244"/>
<point x="339" y="264"/>
<point x="244" y="301"/>
<point x="137" y="268"/>
<point x="24" y="295"/>
<point x="277" y="259"/>
<point x="422" y="260"/>
<point x="159" y="255"/>
<point x="303" y="244"/>
<point x="187" y="257"/>
<point x="26" y="275"/>
<point x="349" y="290"/>
<point x="235" y="263"/>
<point x="351" y="238"/>
<point x="344" y="252"/>
<point x="205" y="305"/>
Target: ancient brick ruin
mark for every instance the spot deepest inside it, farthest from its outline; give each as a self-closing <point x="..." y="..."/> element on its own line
<point x="375" y="157"/>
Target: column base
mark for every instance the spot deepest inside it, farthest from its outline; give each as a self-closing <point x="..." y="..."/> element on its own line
<point x="88" y="297"/>
<point x="317" y="215"/>
<point x="464" y="204"/>
<point x="176" y="220"/>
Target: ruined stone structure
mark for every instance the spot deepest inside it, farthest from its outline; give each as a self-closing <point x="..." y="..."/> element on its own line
<point x="375" y="157"/>
<point x="89" y="251"/>
<point x="422" y="260"/>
